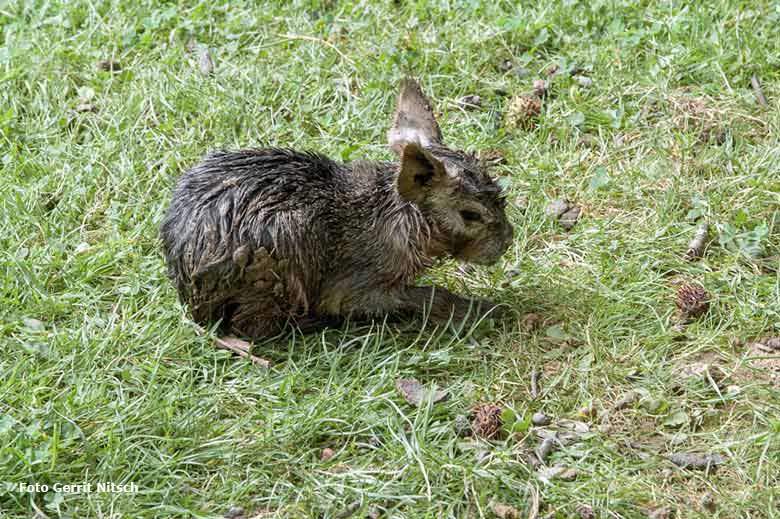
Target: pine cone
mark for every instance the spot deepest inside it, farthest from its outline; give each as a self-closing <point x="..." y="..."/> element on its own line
<point x="486" y="421"/>
<point x="523" y="112"/>
<point x="692" y="301"/>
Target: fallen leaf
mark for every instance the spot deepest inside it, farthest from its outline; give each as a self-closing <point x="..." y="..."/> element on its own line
<point x="570" y="217"/>
<point x="557" y="207"/>
<point x="570" y="474"/>
<point x="521" y="203"/>
<point x="535" y="376"/>
<point x="415" y="393"/>
<point x="693" y="461"/>
<point x="503" y="511"/>
<point x="540" y="419"/>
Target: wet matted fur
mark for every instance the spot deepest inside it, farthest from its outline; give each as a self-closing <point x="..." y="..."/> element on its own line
<point x="261" y="238"/>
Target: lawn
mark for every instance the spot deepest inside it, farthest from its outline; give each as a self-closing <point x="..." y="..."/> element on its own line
<point x="649" y="124"/>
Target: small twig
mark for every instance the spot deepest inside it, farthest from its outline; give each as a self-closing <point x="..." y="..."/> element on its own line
<point x="759" y="91"/>
<point x="237" y="346"/>
<point x="241" y="348"/>
<point x="698" y="243"/>
<point x="535" y="383"/>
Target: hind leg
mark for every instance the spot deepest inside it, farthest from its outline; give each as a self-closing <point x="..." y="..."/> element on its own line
<point x="316" y="323"/>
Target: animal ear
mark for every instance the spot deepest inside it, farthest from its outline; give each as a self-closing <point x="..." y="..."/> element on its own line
<point x="420" y="171"/>
<point x="413" y="121"/>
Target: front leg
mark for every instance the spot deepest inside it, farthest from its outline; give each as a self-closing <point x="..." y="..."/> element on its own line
<point x="440" y="305"/>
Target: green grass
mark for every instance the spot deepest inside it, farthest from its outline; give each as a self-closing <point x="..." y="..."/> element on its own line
<point x="118" y="386"/>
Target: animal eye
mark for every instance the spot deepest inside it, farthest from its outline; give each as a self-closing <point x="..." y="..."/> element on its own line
<point x="470" y="216"/>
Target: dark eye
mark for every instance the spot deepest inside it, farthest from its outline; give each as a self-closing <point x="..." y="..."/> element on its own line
<point x="470" y="216"/>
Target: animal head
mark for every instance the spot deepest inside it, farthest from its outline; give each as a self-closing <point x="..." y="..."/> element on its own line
<point x="452" y="189"/>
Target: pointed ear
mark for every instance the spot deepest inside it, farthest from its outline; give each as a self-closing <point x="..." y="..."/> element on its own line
<point x="420" y="171"/>
<point x="413" y="121"/>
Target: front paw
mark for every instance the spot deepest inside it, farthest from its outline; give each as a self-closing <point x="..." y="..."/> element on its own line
<point x="475" y="310"/>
